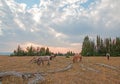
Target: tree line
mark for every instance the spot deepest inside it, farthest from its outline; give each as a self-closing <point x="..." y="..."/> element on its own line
<point x="101" y="47"/>
<point x="39" y="51"/>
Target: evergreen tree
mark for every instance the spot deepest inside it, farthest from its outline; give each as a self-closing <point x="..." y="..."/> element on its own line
<point x="92" y="48"/>
<point x="30" y="51"/>
<point x="98" y="45"/>
<point x="48" y="51"/>
<point x="107" y="45"/>
<point x="42" y="51"/>
<point x="102" y="50"/>
<point x="18" y="51"/>
<point x="117" y="46"/>
<point x="86" y="46"/>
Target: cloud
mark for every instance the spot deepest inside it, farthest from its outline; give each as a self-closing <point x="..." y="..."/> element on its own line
<point x="57" y="23"/>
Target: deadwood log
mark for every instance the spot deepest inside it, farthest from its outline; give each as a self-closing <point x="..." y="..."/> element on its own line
<point x="108" y="66"/>
<point x="69" y="66"/>
<point x="36" y="77"/>
<point x="89" y="68"/>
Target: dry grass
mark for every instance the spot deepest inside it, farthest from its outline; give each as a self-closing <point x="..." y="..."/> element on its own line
<point x="76" y="75"/>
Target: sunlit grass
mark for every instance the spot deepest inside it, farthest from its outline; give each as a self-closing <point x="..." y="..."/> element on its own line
<point x="76" y="75"/>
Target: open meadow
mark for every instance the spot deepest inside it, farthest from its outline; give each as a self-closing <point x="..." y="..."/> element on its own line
<point x="91" y="70"/>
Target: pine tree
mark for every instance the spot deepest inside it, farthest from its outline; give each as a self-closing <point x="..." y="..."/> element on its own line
<point x="48" y="51"/>
<point x="42" y="51"/>
<point x="86" y="47"/>
<point x="30" y="51"/>
<point x="98" y="45"/>
<point x="117" y="46"/>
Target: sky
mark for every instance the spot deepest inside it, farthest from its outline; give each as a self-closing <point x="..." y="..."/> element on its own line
<point x="60" y="25"/>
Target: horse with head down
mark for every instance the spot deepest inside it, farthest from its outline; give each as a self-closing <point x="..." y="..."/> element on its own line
<point x="77" y="58"/>
<point x="41" y="59"/>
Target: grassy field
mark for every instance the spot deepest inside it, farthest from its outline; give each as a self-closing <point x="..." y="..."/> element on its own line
<point x="92" y="70"/>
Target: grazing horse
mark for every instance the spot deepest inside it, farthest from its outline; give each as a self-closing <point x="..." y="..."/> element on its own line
<point x="108" y="56"/>
<point x="53" y="56"/>
<point x="41" y="59"/>
<point x="77" y="58"/>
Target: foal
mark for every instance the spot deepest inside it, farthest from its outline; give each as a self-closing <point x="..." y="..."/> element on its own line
<point x="77" y="58"/>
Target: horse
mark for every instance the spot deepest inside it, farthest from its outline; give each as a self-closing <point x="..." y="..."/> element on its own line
<point x="77" y="58"/>
<point x="53" y="56"/>
<point x="41" y="59"/>
<point x="108" y="56"/>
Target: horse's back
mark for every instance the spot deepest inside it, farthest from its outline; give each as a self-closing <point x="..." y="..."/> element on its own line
<point x="77" y="58"/>
<point x="45" y="58"/>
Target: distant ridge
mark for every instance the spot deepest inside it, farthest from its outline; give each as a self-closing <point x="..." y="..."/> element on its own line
<point x="5" y="53"/>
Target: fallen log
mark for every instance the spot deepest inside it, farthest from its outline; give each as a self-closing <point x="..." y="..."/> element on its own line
<point x="62" y="70"/>
<point x="108" y="66"/>
<point x="9" y="73"/>
<point x="89" y="68"/>
<point x="36" y="77"/>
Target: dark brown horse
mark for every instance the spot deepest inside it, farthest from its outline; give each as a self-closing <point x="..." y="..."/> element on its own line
<point x="77" y="58"/>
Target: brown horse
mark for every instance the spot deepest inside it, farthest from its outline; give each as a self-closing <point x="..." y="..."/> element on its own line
<point x="77" y="58"/>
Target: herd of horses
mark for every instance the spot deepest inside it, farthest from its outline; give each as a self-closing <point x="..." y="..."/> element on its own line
<point x="41" y="59"/>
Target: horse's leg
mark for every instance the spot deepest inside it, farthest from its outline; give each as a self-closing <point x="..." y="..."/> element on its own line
<point x="73" y="60"/>
<point x="80" y="58"/>
<point x="108" y="57"/>
<point x="38" y="62"/>
<point x="42" y="62"/>
<point x="48" y="62"/>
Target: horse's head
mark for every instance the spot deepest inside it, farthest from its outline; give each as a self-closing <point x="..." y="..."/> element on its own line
<point x="54" y="55"/>
<point x="51" y="57"/>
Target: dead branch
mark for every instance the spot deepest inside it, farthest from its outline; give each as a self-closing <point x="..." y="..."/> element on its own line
<point x="36" y="76"/>
<point x="89" y="68"/>
<point x="108" y="66"/>
<point x="69" y="66"/>
<point x="33" y="78"/>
